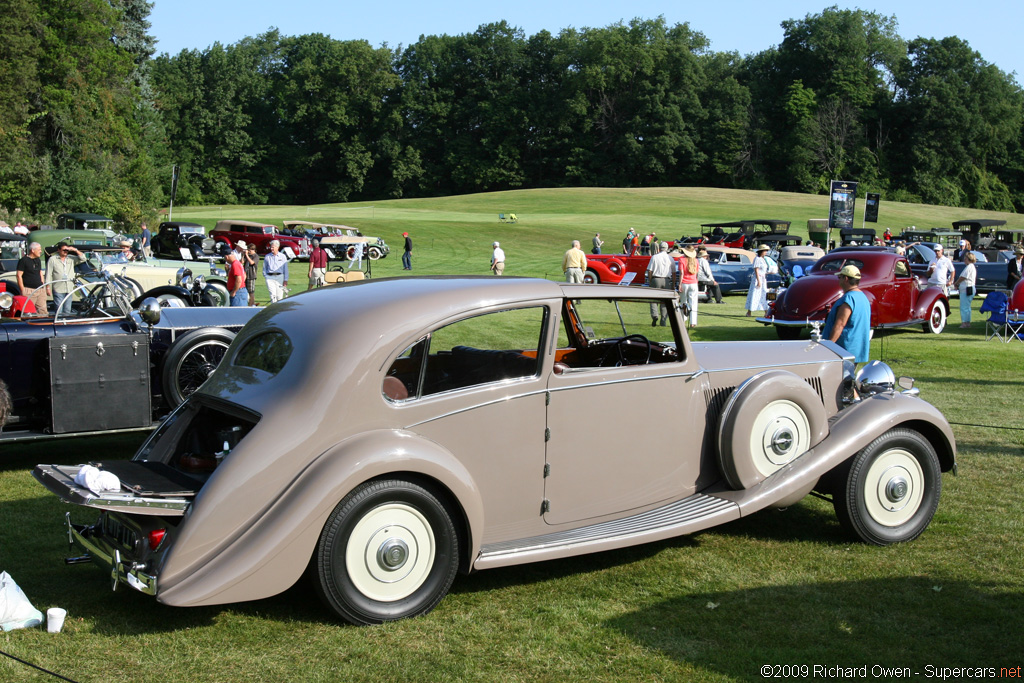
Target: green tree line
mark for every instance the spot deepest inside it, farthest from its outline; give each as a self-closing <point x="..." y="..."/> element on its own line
<point x="94" y="120"/>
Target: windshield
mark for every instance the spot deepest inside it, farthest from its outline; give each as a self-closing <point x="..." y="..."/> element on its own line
<point x="603" y="319"/>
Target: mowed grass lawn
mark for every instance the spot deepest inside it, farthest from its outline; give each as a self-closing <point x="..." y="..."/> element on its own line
<point x="780" y="587"/>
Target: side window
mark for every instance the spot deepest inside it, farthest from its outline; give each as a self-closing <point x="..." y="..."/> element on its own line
<point x="482" y="349"/>
<point x="902" y="269"/>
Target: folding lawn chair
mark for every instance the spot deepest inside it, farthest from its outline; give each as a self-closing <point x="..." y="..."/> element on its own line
<point x="995" y="305"/>
<point x="1003" y="324"/>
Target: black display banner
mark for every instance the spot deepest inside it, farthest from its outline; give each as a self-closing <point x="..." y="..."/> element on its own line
<point x="843" y="198"/>
<point x="871" y="207"/>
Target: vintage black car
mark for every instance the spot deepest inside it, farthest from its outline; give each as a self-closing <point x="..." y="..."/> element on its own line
<point x="173" y="236"/>
<point x="106" y="367"/>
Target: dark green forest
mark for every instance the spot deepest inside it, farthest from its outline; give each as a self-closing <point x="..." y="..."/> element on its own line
<point x="93" y="119"/>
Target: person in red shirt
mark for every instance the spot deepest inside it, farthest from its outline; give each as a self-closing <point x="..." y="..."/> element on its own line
<point x="317" y="266"/>
<point x="236" y="281"/>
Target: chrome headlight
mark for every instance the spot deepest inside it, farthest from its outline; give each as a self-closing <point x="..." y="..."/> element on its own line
<point x="875" y="378"/>
<point x="6" y="301"/>
<point x="149" y="311"/>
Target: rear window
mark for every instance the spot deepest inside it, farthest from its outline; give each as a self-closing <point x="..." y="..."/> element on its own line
<point x="835" y="265"/>
<point x="267" y="352"/>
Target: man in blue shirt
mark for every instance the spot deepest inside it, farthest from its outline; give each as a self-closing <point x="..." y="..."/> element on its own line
<point x="849" y="322"/>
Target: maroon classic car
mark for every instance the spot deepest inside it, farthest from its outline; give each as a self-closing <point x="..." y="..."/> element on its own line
<point x="261" y="234"/>
<point x="896" y="295"/>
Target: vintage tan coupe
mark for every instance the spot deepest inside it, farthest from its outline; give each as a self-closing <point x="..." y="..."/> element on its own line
<point x="446" y="424"/>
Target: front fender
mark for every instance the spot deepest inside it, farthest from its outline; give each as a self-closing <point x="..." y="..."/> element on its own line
<point x="273" y="552"/>
<point x="165" y="289"/>
<point x="604" y="271"/>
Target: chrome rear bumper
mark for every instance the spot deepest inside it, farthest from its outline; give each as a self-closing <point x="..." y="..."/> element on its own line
<point x="131" y="574"/>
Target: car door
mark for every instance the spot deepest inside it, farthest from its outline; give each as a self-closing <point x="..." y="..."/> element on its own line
<point x="621" y="438"/>
<point x="894" y="293"/>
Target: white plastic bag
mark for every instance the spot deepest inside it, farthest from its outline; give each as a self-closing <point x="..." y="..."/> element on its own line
<point x="15" y="609"/>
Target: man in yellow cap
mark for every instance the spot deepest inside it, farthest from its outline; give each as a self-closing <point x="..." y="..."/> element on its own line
<point x="849" y="322"/>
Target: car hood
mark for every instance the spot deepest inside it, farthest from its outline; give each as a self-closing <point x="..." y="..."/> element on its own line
<point x="774" y="354"/>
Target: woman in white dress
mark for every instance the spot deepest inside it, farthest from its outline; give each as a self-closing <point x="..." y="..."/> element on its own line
<point x="757" y="293"/>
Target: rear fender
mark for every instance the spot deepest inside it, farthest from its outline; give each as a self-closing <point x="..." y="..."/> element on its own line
<point x="273" y="552"/>
<point x="926" y="299"/>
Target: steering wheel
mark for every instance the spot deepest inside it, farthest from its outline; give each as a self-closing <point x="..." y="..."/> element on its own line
<point x="621" y="346"/>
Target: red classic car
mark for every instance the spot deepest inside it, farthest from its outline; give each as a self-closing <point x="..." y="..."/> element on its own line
<point x="896" y="295"/>
<point x="730" y="267"/>
<point x="261" y="234"/>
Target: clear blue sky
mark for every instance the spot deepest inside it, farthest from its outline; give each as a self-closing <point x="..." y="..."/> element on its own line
<point x="992" y="27"/>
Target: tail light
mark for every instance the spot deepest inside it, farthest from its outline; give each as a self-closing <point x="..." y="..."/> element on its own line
<point x="155" y="538"/>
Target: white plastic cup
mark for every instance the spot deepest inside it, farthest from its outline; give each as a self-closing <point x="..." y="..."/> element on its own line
<point x="55" y="619"/>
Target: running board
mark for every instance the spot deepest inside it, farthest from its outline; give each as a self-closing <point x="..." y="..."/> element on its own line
<point x="691" y="514"/>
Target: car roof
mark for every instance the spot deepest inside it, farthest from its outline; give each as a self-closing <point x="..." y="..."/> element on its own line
<point x="978" y="223"/>
<point x="179" y="224"/>
<point x="317" y="225"/>
<point x="227" y="223"/>
<point x="725" y="250"/>
<point x="86" y="217"/>
<point x="380" y="318"/>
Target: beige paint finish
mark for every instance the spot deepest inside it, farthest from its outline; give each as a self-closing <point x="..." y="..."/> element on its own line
<point x="538" y="467"/>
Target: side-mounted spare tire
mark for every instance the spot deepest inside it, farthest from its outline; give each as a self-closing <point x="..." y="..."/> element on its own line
<point x="770" y="420"/>
<point x="191" y="360"/>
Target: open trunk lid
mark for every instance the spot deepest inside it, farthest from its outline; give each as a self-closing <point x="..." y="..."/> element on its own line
<point x="147" y="488"/>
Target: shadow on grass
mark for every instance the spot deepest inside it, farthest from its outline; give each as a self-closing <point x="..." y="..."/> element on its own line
<point x="897" y="622"/>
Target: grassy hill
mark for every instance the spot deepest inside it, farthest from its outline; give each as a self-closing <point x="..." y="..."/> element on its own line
<point x="452" y="235"/>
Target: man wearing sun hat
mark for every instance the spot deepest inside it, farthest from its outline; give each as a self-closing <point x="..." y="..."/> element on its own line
<point x="849" y="322"/>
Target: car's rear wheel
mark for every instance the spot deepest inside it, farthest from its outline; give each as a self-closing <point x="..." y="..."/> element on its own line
<point x="388" y="551"/>
<point x="891" y="490"/>
<point x="591" y="278"/>
<point x="191" y="361"/>
<point x="936" y="318"/>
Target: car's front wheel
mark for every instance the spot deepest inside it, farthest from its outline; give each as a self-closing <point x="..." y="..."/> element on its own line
<point x="375" y="253"/>
<point x="891" y="490"/>
<point x="388" y="551"/>
<point x="936" y="318"/>
<point x="591" y="278"/>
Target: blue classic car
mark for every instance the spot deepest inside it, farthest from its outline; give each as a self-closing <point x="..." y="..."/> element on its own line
<point x="105" y="367"/>
<point x="991" y="272"/>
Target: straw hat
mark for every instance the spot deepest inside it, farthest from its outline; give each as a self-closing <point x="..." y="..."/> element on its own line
<point x="689" y="252"/>
<point x="852" y="272"/>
